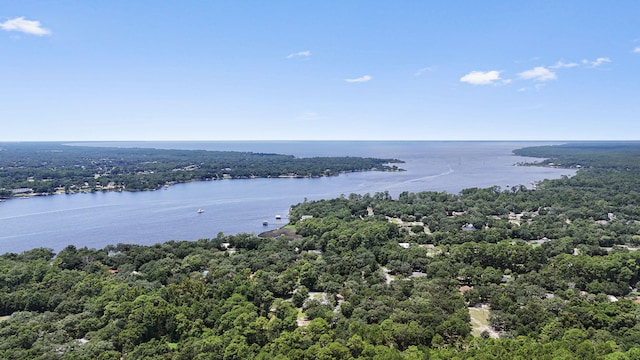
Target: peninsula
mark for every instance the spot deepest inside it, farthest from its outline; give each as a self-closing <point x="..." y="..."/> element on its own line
<point x="42" y="168"/>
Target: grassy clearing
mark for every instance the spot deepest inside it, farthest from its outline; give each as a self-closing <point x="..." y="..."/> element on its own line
<point x="479" y="316"/>
<point x="302" y="319"/>
<point x="479" y="320"/>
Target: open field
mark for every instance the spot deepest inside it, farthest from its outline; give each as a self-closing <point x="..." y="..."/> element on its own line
<point x="480" y="321"/>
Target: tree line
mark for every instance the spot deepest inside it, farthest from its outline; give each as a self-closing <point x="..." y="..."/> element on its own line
<point x="46" y="168"/>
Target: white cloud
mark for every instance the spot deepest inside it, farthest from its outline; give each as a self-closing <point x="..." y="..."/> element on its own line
<point x="364" y="78"/>
<point x="481" y="77"/>
<point x="305" y="53"/>
<point x="423" y="70"/>
<point x="597" y="62"/>
<point x="637" y="50"/>
<point x="21" y="24"/>
<point x="539" y="73"/>
<point x="562" y="65"/>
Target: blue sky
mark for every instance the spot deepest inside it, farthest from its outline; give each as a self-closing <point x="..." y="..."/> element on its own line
<point x="336" y="70"/>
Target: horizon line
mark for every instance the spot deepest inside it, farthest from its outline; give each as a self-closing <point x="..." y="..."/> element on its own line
<point x="331" y="140"/>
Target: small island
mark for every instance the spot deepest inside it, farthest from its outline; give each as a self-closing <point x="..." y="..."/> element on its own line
<point x="43" y="168"/>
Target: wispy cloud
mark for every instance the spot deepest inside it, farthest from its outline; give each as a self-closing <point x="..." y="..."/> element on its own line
<point x="597" y="62"/>
<point x="481" y="77"/>
<point x="539" y="73"/>
<point x="31" y="27"/>
<point x="563" y="65"/>
<point x="423" y="71"/>
<point x="361" y="79"/>
<point x="637" y="50"/>
<point x="309" y="116"/>
<point x="305" y="53"/>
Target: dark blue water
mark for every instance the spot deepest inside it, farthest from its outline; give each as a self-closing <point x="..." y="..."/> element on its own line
<point x="233" y="206"/>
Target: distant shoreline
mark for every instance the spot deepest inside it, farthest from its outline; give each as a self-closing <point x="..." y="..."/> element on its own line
<point x="34" y="169"/>
<point x="165" y="186"/>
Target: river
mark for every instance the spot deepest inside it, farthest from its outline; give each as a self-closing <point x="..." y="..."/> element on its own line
<point x="232" y="206"/>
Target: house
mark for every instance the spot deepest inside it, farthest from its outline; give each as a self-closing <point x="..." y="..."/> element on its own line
<point x="21" y="191"/>
<point x="468" y="227"/>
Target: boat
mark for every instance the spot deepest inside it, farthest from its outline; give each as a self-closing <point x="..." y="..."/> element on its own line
<point x="199" y="211"/>
<point x="265" y="223"/>
<point x="278" y="217"/>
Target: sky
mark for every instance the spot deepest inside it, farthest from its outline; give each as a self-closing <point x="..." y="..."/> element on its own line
<point x="319" y="70"/>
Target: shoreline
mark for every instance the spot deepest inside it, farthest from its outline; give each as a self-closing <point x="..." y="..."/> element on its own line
<point x="234" y="207"/>
<point x="168" y="184"/>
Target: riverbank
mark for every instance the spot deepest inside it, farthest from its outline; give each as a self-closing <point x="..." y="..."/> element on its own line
<point x="87" y="190"/>
<point x="48" y="168"/>
<point x="96" y="219"/>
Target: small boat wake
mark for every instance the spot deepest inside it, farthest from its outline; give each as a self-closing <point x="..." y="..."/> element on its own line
<point x="426" y="178"/>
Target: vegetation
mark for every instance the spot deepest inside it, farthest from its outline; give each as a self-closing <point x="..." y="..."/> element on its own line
<point x="46" y="168"/>
<point x="607" y="155"/>
<point x="366" y="277"/>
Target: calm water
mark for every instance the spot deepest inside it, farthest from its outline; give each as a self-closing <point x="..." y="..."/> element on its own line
<point x="233" y="206"/>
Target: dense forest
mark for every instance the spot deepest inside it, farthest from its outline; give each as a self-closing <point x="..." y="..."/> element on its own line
<point x="493" y="273"/>
<point x="603" y="154"/>
<point x="47" y="168"/>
